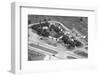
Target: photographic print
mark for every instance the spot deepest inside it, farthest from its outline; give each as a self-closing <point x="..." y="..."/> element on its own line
<point x="45" y="39"/>
<point x="57" y="37"/>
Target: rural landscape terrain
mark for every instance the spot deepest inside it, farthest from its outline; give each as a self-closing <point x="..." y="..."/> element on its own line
<point x="57" y="37"/>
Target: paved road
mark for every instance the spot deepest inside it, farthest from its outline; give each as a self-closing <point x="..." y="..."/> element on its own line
<point x="60" y="51"/>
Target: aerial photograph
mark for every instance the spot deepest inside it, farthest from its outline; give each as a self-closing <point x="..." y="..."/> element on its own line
<point x="52" y="37"/>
